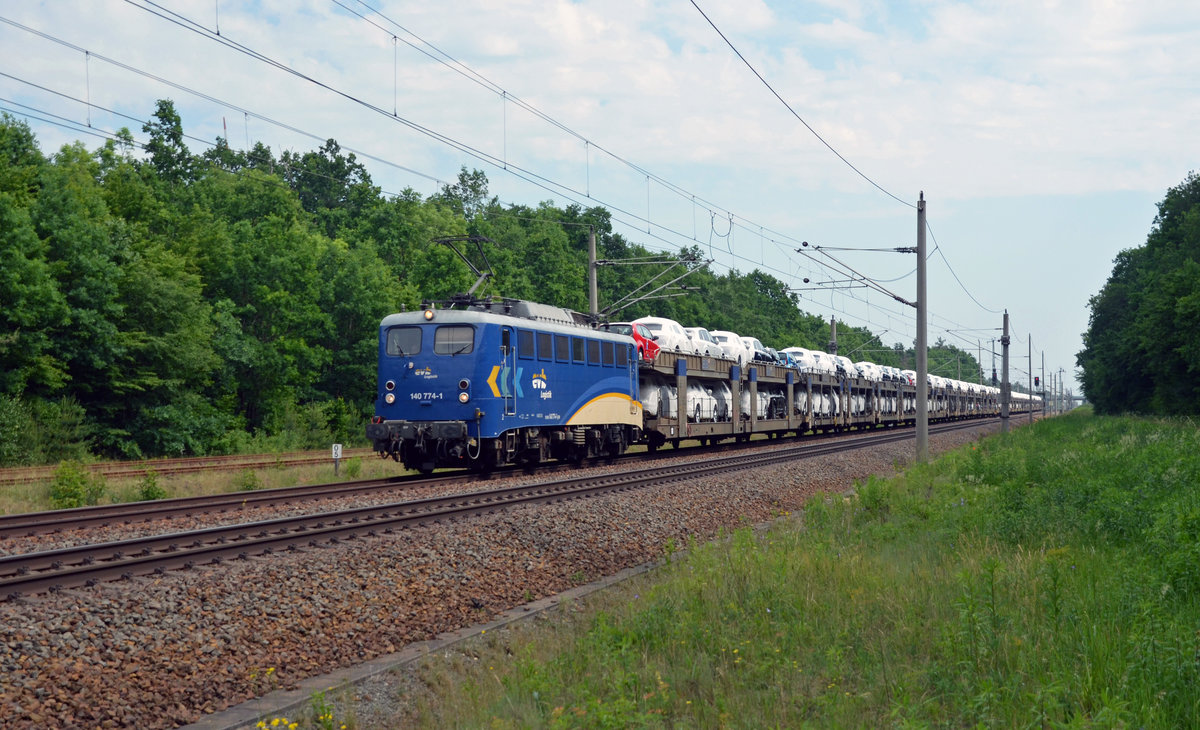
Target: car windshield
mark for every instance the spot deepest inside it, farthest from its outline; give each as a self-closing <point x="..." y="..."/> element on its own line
<point x="653" y="326"/>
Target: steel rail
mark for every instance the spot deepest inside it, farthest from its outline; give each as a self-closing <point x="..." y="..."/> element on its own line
<point x="36" y="523"/>
<point x="53" y="570"/>
<point x="29" y="524"/>
<point x="178" y="465"/>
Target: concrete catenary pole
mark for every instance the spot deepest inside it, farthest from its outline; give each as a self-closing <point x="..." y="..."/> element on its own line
<point x="1030" y="359"/>
<point x="1045" y="400"/>
<point x="593" y="293"/>
<point x="922" y="340"/>
<point x="1004" y="377"/>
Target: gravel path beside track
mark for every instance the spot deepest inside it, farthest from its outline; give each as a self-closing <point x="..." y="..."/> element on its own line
<point x="162" y="652"/>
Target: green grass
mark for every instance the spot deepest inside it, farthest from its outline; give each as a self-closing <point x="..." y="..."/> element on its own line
<point x="1049" y="578"/>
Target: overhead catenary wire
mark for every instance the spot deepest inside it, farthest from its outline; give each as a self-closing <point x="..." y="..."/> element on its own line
<point x="793" y="112"/>
<point x="70" y="124"/>
<point x="461" y="68"/>
<point x="552" y="185"/>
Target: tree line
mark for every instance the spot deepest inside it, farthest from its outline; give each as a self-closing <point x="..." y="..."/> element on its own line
<point x="158" y="302"/>
<point x="1141" y="350"/>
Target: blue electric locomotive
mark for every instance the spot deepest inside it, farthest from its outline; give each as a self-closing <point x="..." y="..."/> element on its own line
<point x="479" y="383"/>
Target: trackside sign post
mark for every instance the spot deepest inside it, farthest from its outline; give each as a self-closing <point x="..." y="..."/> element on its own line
<point x="337" y="457"/>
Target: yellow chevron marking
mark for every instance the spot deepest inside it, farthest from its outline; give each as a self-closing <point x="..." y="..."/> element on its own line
<point x="491" y="381"/>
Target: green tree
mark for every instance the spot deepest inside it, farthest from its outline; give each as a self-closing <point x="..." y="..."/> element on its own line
<point x="1141" y="352"/>
<point x="30" y="302"/>
<point x="168" y="154"/>
<point x="335" y="188"/>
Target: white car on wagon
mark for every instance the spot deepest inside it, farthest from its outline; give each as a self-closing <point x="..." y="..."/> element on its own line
<point x="707" y="345"/>
<point x="668" y="334"/>
<point x="733" y="345"/>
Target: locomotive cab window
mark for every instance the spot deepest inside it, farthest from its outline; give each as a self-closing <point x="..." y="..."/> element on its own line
<point x="404" y="341"/>
<point x="525" y="344"/>
<point x="454" y="340"/>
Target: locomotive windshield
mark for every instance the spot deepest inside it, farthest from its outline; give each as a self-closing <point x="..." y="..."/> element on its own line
<point x="404" y="341"/>
<point x="453" y="340"/>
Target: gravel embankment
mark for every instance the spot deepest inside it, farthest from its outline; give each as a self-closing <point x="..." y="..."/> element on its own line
<point x="164" y="651"/>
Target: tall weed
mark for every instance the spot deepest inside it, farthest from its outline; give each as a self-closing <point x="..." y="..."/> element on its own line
<point x="74" y="486"/>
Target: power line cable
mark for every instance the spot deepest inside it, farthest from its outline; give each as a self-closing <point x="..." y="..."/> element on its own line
<point x="830" y="147"/>
<point x="560" y="188"/>
<point x="955" y="275"/>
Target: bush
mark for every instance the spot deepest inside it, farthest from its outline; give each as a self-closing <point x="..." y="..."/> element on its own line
<point x="74" y="486"/>
<point x="42" y="432"/>
<point x="1174" y="543"/>
<point x="875" y="498"/>
<point x="148" y="488"/>
<point x="248" y="481"/>
<point x="190" y="425"/>
<point x="58" y="431"/>
<point x="14" y="418"/>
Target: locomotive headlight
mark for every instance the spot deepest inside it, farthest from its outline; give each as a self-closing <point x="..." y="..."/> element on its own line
<point x="464" y="396"/>
<point x="464" y="384"/>
<point x="390" y="385"/>
<point x="428" y="314"/>
<point x="390" y="398"/>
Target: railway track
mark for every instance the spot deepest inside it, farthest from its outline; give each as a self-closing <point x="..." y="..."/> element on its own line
<point x="29" y="524"/>
<point x="32" y="573"/>
<point x="182" y="465"/>
<point x="37" y="523"/>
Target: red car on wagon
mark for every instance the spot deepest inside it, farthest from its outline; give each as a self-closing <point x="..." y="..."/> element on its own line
<point x="646" y="346"/>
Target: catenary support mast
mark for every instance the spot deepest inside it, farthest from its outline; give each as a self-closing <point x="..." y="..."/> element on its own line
<point x="1004" y="377"/>
<point x="922" y="340"/>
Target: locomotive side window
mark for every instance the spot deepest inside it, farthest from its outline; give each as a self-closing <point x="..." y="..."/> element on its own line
<point x="525" y="344"/>
<point x="453" y="340"/>
<point x="577" y="345"/>
<point x="544" y="345"/>
<point x="623" y="356"/>
<point x="404" y="341"/>
<point x="606" y="350"/>
<point x="562" y="348"/>
<point x="593" y="348"/>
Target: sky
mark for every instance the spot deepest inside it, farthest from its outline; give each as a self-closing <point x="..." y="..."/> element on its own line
<point x="1042" y="134"/>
